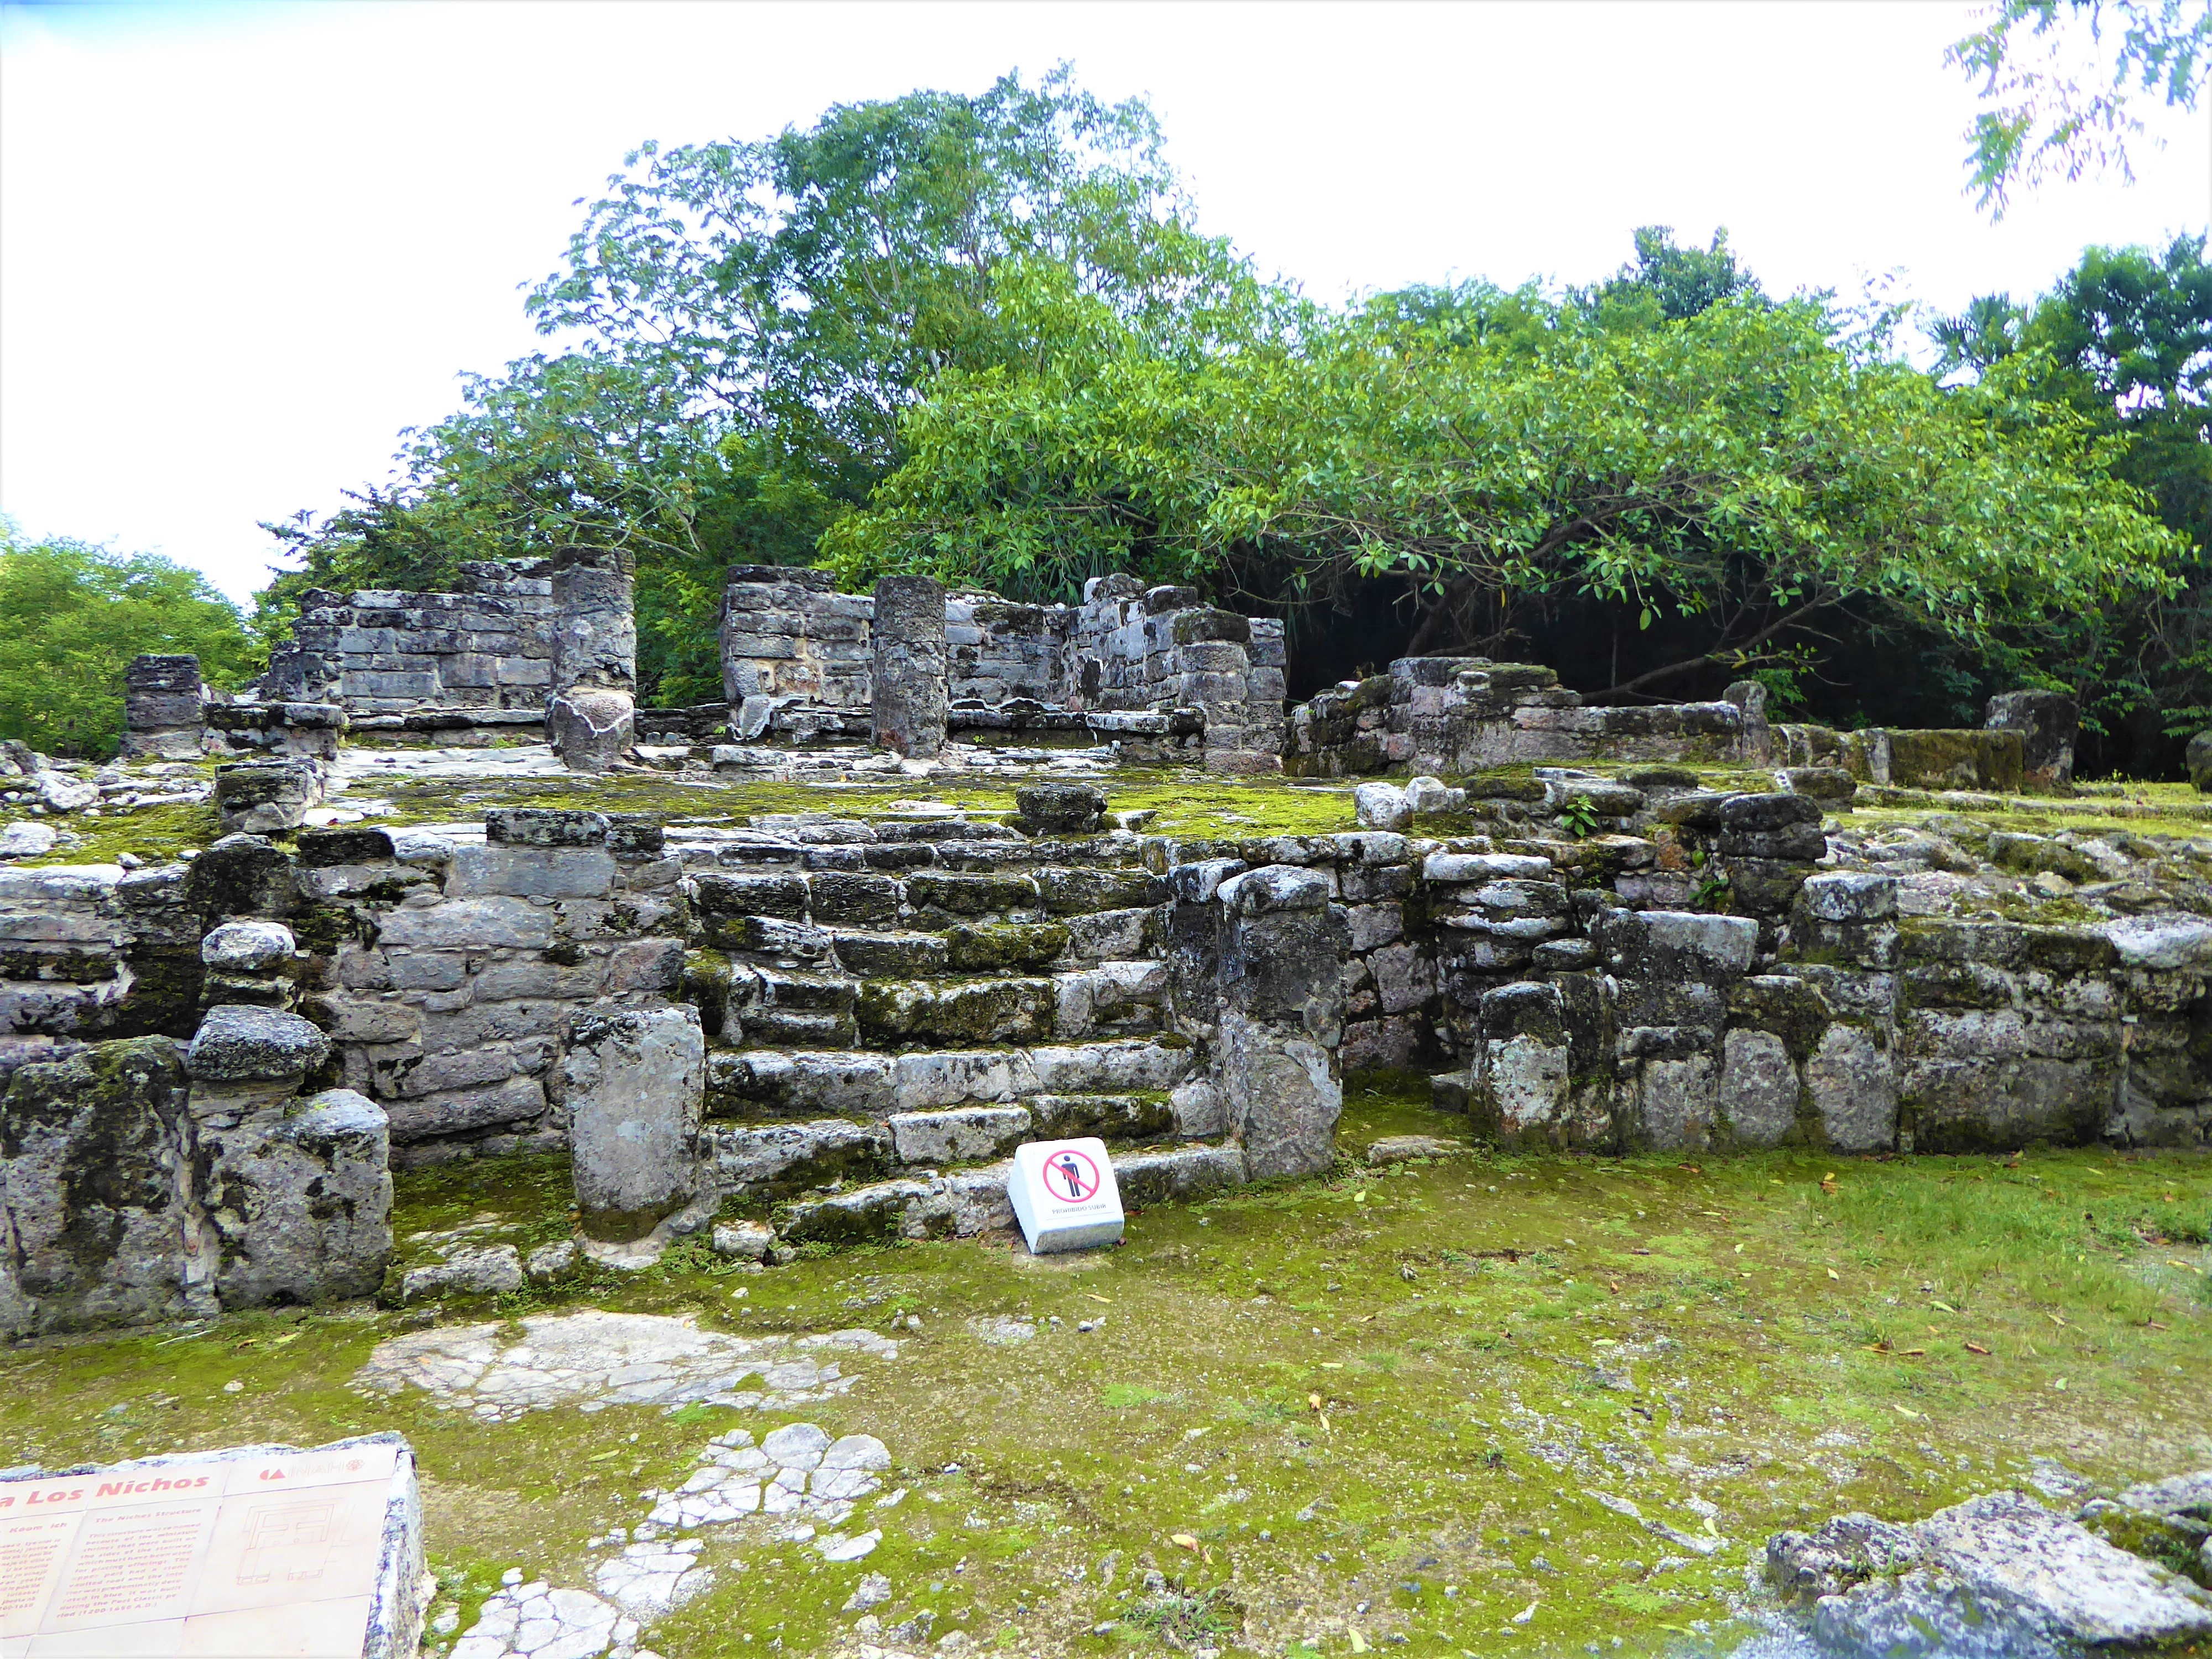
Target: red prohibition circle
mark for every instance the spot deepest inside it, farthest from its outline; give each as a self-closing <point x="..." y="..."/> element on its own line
<point x="1071" y="1177"/>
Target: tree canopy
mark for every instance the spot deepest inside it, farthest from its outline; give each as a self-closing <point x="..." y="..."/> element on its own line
<point x="2050" y="120"/>
<point x="978" y="335"/>
<point x="1740" y="481"/>
<point x="745" y="322"/>
<point x="72" y="616"/>
<point x="2123" y="341"/>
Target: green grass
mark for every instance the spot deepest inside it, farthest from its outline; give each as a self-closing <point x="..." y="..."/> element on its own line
<point x="1434" y="1364"/>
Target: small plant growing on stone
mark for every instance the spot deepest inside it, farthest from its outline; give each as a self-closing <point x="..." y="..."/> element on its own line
<point x="1578" y="817"/>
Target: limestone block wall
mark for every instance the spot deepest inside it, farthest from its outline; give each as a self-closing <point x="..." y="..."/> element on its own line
<point x="488" y="644"/>
<point x="797" y="665"/>
<point x="161" y="697"/>
<point x="448" y="973"/>
<point x="1449" y="716"/>
<point x="1138" y="650"/>
<point x="1000" y="652"/>
<point x="788" y="634"/>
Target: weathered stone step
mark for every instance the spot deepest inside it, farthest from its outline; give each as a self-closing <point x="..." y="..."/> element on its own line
<point x="782" y="1159"/>
<point x="1127" y="996"/>
<point x="788" y="1027"/>
<point x="969" y="1201"/>
<point x="842" y="1083"/>
<point x="731" y="903"/>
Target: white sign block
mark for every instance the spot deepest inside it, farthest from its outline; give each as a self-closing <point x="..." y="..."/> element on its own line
<point x="1064" y="1195"/>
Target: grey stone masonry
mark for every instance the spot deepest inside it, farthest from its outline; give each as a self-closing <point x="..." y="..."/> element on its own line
<point x="590" y="719"/>
<point x="789" y="638"/>
<point x="908" y="672"/>
<point x="1281" y="1019"/>
<point x="136" y="1185"/>
<point x="489" y="644"/>
<point x="162" y="707"/>
<point x="1154" y="673"/>
<point x="447" y="971"/>
<point x="1152" y="652"/>
<point x="1459" y="714"/>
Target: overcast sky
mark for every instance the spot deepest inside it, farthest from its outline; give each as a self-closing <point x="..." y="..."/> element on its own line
<point x="242" y="245"/>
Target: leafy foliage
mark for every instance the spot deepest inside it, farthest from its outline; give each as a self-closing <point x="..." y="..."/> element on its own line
<point x="1732" y="480"/>
<point x="72" y="616"/>
<point x="750" y="320"/>
<point x="2050" y="121"/>
<point x="2124" y="341"/>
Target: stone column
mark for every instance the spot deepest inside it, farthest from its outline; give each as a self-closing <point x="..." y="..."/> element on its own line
<point x="2048" y="722"/>
<point x="590" y="719"/>
<point x="295" y="1196"/>
<point x="910" y="678"/>
<point x="636" y="1084"/>
<point x="1282" y="1019"/>
<point x="162" y="707"/>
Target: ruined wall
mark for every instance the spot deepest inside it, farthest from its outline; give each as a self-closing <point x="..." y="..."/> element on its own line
<point x="1002" y="652"/>
<point x="1156" y="672"/>
<point x="1135" y="651"/>
<point x="1450" y="715"/>
<point x="448" y="974"/>
<point x="790" y="641"/>
<point x="489" y="644"/>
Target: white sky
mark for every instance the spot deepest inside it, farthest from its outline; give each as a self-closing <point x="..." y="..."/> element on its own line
<point x="242" y="245"/>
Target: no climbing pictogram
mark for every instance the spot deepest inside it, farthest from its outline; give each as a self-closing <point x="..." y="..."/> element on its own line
<point x="1071" y="1177"/>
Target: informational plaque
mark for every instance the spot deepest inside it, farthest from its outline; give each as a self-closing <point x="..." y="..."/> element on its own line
<point x="1064" y="1195"/>
<point x="229" y="1557"/>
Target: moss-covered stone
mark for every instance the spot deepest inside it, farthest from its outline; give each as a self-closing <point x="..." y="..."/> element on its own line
<point x="970" y="895"/>
<point x="940" y="1012"/>
<point x="1001" y="946"/>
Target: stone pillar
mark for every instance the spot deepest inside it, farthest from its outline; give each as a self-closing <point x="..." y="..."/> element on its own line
<point x="909" y="677"/>
<point x="2048" y="722"/>
<point x="162" y="707"/>
<point x="590" y="719"/>
<point x="1281" y="1019"/>
<point x="635" y="1083"/>
<point x="95" y="1184"/>
<point x="1749" y="697"/>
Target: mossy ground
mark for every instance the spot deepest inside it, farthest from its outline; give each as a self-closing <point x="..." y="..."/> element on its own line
<point x="1435" y="1366"/>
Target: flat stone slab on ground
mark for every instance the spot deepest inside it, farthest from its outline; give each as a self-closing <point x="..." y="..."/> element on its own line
<point x="593" y="1359"/>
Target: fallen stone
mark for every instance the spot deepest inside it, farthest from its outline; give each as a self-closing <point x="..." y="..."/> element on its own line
<point x="485" y="1270"/>
<point x="1401" y="1149"/>
<point x="28" y="841"/>
<point x="1060" y="809"/>
<point x="590" y="728"/>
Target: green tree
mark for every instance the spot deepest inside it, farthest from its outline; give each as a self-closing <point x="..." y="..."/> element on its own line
<point x="1739" y="485"/>
<point x="1667" y="283"/>
<point x="2048" y="119"/>
<point x="2124" y="340"/>
<point x="749" y="321"/>
<point x="72" y="616"/>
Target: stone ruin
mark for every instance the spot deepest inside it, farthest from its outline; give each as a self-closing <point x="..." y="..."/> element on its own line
<point x="836" y="1029"/>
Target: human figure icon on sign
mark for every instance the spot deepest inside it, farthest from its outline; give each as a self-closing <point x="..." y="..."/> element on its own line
<point x="1077" y="1174"/>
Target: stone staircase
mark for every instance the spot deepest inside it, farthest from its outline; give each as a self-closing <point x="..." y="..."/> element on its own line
<point x="891" y="1007"/>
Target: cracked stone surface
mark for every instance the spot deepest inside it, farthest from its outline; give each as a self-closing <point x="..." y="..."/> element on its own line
<point x="796" y="1476"/>
<point x="797" y="1472"/>
<point x="593" y="1359"/>
<point x="536" y="1621"/>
